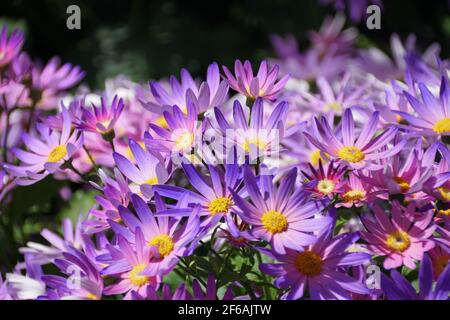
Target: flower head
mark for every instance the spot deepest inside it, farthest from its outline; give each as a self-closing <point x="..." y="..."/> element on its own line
<point x="263" y="85"/>
<point x="320" y="269"/>
<point x="401" y="237"/>
<point x="9" y="46"/>
<point x="103" y="118"/>
<point x="358" y="152"/>
<point x="282" y="216"/>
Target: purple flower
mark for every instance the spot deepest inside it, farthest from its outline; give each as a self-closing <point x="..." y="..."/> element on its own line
<point x="127" y="263"/>
<point x="320" y="269"/>
<point x="84" y="280"/>
<point x="180" y="135"/>
<point x="42" y="254"/>
<point x="148" y="171"/>
<point x="210" y="93"/>
<point x="282" y="216"/>
<point x="251" y="133"/>
<point x="56" y="77"/>
<point x="433" y="114"/>
<point x="263" y="85"/>
<point x="337" y="100"/>
<point x="168" y="238"/>
<point x="115" y="193"/>
<point x="363" y="151"/>
<point x="398" y="288"/>
<point x="47" y="154"/>
<point x="9" y="46"/>
<point x="214" y="196"/>
<point x="323" y="183"/>
<point x="402" y="237"/>
<point x="103" y="118"/>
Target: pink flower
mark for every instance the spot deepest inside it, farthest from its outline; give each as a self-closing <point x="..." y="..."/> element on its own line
<point x="401" y="236"/>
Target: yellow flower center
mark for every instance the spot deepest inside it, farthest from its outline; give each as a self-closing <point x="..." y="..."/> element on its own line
<point x="308" y="263"/>
<point x="274" y="221"/>
<point x="57" y="154"/>
<point x="315" y="156"/>
<point x="398" y="241"/>
<point x="402" y="183"/>
<point x="151" y="181"/>
<point x="135" y="276"/>
<point x="442" y="126"/>
<point x="351" y="154"/>
<point x="92" y="296"/>
<point x="258" y="143"/>
<point x="336" y="106"/>
<point x="445" y="193"/>
<point x="184" y="140"/>
<point x="164" y="244"/>
<point x="353" y="195"/>
<point x="325" y="186"/>
<point x="219" y="205"/>
<point x="444" y="212"/>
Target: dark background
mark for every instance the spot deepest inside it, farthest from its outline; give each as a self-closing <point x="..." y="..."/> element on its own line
<point x="151" y="39"/>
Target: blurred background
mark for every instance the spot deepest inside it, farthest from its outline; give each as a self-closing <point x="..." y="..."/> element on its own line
<point x="149" y="40"/>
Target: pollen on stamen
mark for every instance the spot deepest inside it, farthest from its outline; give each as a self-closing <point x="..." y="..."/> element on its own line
<point x="57" y="154"/>
<point x="274" y="221"/>
<point x="220" y="205"/>
<point x="398" y="241"/>
<point x="442" y="126"/>
<point x="351" y="154"/>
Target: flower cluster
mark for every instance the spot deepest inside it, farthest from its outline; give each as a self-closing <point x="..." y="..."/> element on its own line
<point x="286" y="183"/>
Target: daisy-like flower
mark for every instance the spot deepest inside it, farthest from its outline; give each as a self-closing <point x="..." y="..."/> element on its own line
<point x="432" y="114"/>
<point x="281" y="216"/>
<point x="323" y="183"/>
<point x="402" y="237"/>
<point x="71" y="238"/>
<point x="127" y="263"/>
<point x="148" y="171"/>
<point x="364" y="150"/>
<point x="214" y="197"/>
<point x="398" y="288"/>
<point x="355" y="192"/>
<point x="9" y="46"/>
<point x="101" y="119"/>
<point x="56" y="77"/>
<point x="88" y="284"/>
<point x="250" y="133"/>
<point x="115" y="193"/>
<point x="400" y="175"/>
<point x="210" y="93"/>
<point x="320" y="269"/>
<point x="169" y="238"/>
<point x="180" y="134"/>
<point x="263" y="85"/>
<point x="47" y="154"/>
<point x="334" y="100"/>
